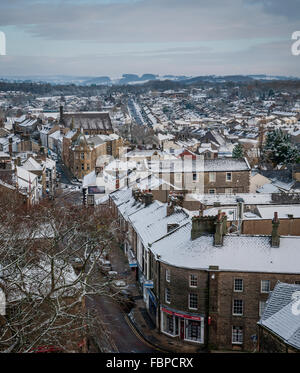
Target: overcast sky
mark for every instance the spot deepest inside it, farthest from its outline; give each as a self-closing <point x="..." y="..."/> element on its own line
<point x="185" y="37"/>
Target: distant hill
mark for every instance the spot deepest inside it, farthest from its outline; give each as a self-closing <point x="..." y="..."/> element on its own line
<point x="134" y="79"/>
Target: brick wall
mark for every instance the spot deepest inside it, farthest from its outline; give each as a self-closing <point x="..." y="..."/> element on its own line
<point x="215" y="299"/>
<point x="240" y="182"/>
<point x="180" y="289"/>
<point x="221" y="306"/>
<point x="286" y="227"/>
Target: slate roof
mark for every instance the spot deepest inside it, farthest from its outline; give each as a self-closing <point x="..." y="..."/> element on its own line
<point x="88" y="121"/>
<point x="32" y="165"/>
<point x="279" y="317"/>
<point x="151" y="222"/>
<point x="246" y="253"/>
<point x="201" y="165"/>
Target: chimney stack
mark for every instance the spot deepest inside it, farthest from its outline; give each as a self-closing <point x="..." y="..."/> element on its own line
<point x="19" y="163"/>
<point x="10" y="146"/>
<point x="61" y="111"/>
<point x="275" y="238"/>
<point x="202" y="225"/>
<point x="172" y="202"/>
<point x="221" y="228"/>
<point x="148" y="198"/>
<point x="117" y="179"/>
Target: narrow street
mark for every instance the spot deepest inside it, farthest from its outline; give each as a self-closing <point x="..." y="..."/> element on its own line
<point x="123" y="337"/>
<point x="68" y="190"/>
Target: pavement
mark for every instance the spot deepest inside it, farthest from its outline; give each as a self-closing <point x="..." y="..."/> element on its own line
<point x="139" y="317"/>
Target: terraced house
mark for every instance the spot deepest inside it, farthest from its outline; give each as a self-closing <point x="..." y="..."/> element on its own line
<point x="200" y="284"/>
<point x="208" y="176"/>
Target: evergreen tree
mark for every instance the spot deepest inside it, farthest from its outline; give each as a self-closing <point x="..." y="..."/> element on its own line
<point x="278" y="149"/>
<point x="238" y="151"/>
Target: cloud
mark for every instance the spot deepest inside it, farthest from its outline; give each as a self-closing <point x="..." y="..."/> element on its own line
<point x="286" y="8"/>
<point x="161" y="36"/>
<point x="269" y="58"/>
<point x="141" y="21"/>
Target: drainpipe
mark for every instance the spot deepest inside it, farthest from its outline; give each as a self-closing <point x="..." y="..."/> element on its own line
<point x="207" y="305"/>
<point x="148" y="265"/>
<point x="158" y="293"/>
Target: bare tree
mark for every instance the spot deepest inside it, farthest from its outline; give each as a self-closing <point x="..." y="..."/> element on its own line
<point x="48" y="257"/>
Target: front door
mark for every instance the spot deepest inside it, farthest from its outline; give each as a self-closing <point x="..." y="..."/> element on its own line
<point x="182" y="329"/>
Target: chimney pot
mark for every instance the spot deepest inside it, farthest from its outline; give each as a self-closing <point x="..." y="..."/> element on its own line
<point x="275" y="238"/>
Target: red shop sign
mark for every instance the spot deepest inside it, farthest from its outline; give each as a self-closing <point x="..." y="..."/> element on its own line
<point x="167" y="311"/>
<point x="197" y="318"/>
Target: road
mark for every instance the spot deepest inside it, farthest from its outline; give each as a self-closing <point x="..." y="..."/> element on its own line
<point x="68" y="190"/>
<point x="123" y="336"/>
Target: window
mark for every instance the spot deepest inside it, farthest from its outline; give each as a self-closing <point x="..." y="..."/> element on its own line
<point x="194" y="176"/>
<point x="82" y="155"/>
<point x="237" y="307"/>
<point x="265" y="286"/>
<point x="193" y="331"/>
<point x="168" y="275"/>
<point x="228" y="176"/>
<point x="297" y="282"/>
<point x="262" y="307"/>
<point x="193" y="301"/>
<point x="228" y="190"/>
<point x="237" y="335"/>
<point x="212" y="191"/>
<point x="82" y="166"/>
<point x="238" y="284"/>
<point x="170" y="324"/>
<point x="212" y="177"/>
<point x="193" y="281"/>
<point x="177" y="177"/>
<point x="167" y="295"/>
<point x="90" y="199"/>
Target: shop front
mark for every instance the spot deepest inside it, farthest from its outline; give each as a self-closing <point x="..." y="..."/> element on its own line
<point x="152" y="305"/>
<point x="188" y="327"/>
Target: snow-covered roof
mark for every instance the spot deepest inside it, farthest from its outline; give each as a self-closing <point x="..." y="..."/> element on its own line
<point x="35" y="279"/>
<point x="231" y="199"/>
<point x="268" y="188"/>
<point x="238" y="253"/>
<point x="89" y="179"/>
<point x="279" y="317"/>
<point x="25" y="175"/>
<point x="50" y="163"/>
<point x="32" y="165"/>
<point x="267" y="212"/>
<point x="151" y="222"/>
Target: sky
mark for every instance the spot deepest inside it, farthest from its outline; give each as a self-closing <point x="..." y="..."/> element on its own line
<point x="180" y="37"/>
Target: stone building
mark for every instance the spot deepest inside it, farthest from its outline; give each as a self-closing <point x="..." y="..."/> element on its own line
<point x="199" y="283"/>
<point x="208" y="176"/>
<point x="280" y="323"/>
<point x="91" y="123"/>
<point x="81" y="155"/>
